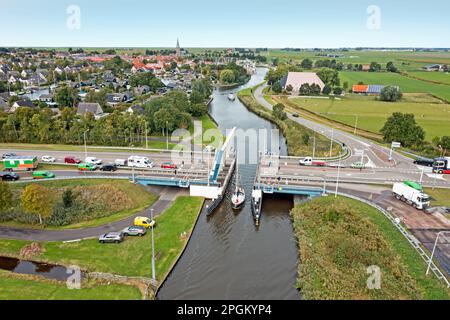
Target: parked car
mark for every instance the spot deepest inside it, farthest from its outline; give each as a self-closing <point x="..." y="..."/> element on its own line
<point x="111" y="237"/>
<point x="86" y="167"/>
<point x="134" y="231"/>
<point x="424" y="162"/>
<point x="358" y="165"/>
<point x="72" y="160"/>
<point x="9" y="176"/>
<point x="43" y="175"/>
<point x="168" y="165"/>
<point x="109" y="167"/>
<point x="295" y="115"/>
<point x="93" y="160"/>
<point x="144" y="222"/>
<point x="121" y="162"/>
<point x="8" y="155"/>
<point x="48" y="159"/>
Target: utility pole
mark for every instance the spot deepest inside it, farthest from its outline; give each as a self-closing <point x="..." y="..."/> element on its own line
<point x="146" y="135"/>
<point x="314" y="146"/>
<point x="356" y="125"/>
<point x="332" y="137"/>
<point x="167" y="141"/>
<point x="434" y="250"/>
<point x="85" y="144"/>
<point x="153" y="248"/>
<point x="338" y="176"/>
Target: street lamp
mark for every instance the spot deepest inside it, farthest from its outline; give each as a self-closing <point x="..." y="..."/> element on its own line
<point x="434" y="249"/>
<point x="208" y="149"/>
<point x="153" y="247"/>
<point x="332" y="137"/>
<point x="356" y="124"/>
<point x="338" y="176"/>
<point x="85" y="144"/>
<point x="167" y="129"/>
<point x="146" y="137"/>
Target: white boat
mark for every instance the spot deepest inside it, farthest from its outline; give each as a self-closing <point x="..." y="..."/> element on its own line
<point x="238" y="197"/>
<point x="231" y="97"/>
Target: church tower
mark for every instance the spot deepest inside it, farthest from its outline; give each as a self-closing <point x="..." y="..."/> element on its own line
<point x="178" y="49"/>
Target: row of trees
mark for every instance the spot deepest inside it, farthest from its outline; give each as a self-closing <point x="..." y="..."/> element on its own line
<point x="339" y="66"/>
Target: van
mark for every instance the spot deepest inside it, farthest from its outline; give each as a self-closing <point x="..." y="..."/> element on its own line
<point x="144" y="222"/>
<point x="140" y="162"/>
<point x="121" y="162"/>
<point x="93" y="160"/>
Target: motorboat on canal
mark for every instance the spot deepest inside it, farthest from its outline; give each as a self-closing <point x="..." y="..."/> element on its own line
<point x="256" y="204"/>
<point x="238" y="197"/>
<point x="231" y="97"/>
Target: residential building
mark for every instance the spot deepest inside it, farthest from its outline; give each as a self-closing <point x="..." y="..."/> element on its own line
<point x="297" y="79"/>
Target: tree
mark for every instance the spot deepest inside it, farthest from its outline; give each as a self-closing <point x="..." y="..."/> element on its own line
<point x="402" y="127"/>
<point x="443" y="143"/>
<point x="315" y="89"/>
<point x="305" y="138"/>
<point x="326" y="90"/>
<point x="305" y="90"/>
<point x="307" y="64"/>
<point x="391" y="67"/>
<point x="278" y="112"/>
<point x="227" y="76"/>
<point x="390" y="94"/>
<point x="5" y="196"/>
<point x="337" y="91"/>
<point x="329" y="76"/>
<point x="375" y="67"/>
<point x="35" y="200"/>
<point x="276" y="87"/>
<point x="289" y="88"/>
<point x="66" y="97"/>
<point x="67" y="198"/>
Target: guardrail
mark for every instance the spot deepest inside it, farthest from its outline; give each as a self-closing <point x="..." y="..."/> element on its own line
<point x="413" y="241"/>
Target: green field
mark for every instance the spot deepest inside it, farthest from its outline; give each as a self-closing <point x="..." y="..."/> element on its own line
<point x="372" y="114"/>
<point x="133" y="256"/>
<point x="406" y="84"/>
<point x="23" y="288"/>
<point x="340" y="238"/>
<point x="440" y="77"/>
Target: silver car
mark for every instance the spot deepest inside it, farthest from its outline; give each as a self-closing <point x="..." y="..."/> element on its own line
<point x="134" y="231"/>
<point x="112" y="237"/>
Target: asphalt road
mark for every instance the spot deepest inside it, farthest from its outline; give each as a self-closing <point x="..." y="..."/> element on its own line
<point x="167" y="196"/>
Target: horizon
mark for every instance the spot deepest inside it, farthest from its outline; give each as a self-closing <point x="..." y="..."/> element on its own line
<point x="140" y="24"/>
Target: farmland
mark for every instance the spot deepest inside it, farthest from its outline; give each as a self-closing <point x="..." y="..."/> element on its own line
<point x="372" y="114"/>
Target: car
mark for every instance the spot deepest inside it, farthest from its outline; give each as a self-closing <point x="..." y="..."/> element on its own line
<point x="109" y="167"/>
<point x="48" y="159"/>
<point x="295" y="115"/>
<point x="111" y="237"/>
<point x="9" y="176"/>
<point x="424" y="162"/>
<point x="8" y="155"/>
<point x="144" y="222"/>
<point x="93" y="160"/>
<point x="72" y="160"/>
<point x="134" y="231"/>
<point x="43" y="175"/>
<point x="168" y="165"/>
<point x="86" y="167"/>
<point x="358" y="165"/>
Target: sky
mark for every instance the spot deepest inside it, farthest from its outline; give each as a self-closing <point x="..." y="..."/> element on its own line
<point x="226" y="23"/>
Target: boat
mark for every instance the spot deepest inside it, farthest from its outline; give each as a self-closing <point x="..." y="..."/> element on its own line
<point x="256" y="205"/>
<point x="238" y="197"/>
<point x="231" y="97"/>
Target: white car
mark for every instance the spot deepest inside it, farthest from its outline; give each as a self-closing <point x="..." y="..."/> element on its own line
<point x="93" y="161"/>
<point x="49" y="159"/>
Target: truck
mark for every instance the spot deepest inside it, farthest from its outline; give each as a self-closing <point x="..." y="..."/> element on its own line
<point x="412" y="194"/>
<point x="441" y="165"/>
<point x="140" y="162"/>
<point x="28" y="163"/>
<point x="309" y="161"/>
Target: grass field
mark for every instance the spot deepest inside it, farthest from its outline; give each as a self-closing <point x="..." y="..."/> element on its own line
<point x="440" y="77"/>
<point x="441" y="197"/>
<point x="133" y="256"/>
<point x="434" y="118"/>
<point x="406" y="84"/>
<point x="18" y="287"/>
<point x="340" y="238"/>
<point x="134" y="198"/>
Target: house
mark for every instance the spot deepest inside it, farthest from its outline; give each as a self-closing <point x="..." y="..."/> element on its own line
<point x="136" y="109"/>
<point x="365" y="67"/>
<point x="116" y="98"/>
<point x="58" y="70"/>
<point x="47" y="98"/>
<point x="368" y="89"/>
<point x="3" y="104"/>
<point x="26" y="73"/>
<point x="297" y="79"/>
<point x="25" y="103"/>
<point x="436" y="67"/>
<point x="94" y="108"/>
<point x="141" y="90"/>
<point x="360" y="88"/>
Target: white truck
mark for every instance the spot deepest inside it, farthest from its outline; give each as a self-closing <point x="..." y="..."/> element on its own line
<point x="309" y="161"/>
<point x="140" y="162"/>
<point x="411" y="196"/>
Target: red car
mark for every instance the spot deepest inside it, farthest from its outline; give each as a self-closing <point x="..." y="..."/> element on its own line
<point x="72" y="160"/>
<point x="168" y="165"/>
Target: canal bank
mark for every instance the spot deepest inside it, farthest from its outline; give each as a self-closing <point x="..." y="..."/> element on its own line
<point x="227" y="256"/>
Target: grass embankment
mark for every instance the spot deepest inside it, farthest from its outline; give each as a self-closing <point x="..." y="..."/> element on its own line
<point x="372" y="114"/>
<point x="211" y="134"/>
<point x="130" y="258"/>
<point x="340" y="238"/>
<point x="293" y="131"/>
<point x="20" y="287"/>
<point x="105" y="200"/>
<point x="441" y="197"/>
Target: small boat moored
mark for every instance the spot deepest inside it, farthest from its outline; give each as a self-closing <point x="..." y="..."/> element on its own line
<point x="231" y="97"/>
<point x="238" y="197"/>
<point x="256" y="205"/>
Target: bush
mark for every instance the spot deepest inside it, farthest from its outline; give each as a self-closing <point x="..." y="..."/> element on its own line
<point x="390" y="94"/>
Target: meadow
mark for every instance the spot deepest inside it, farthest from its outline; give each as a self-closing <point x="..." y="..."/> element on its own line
<point x="372" y="114"/>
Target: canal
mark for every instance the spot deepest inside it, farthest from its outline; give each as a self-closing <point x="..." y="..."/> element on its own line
<point x="228" y="257"/>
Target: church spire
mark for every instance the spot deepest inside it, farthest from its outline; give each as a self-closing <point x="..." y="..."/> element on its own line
<point x="178" y="49"/>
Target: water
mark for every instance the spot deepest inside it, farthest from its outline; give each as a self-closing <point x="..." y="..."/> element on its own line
<point x="45" y="270"/>
<point x="228" y="257"/>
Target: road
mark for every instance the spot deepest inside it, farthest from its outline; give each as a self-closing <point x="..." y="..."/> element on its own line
<point x="167" y="196"/>
<point x="377" y="155"/>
